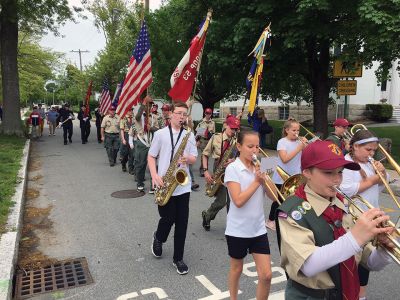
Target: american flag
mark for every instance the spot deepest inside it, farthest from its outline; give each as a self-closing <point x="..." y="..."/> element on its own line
<point x="105" y="98"/>
<point x="139" y="76"/>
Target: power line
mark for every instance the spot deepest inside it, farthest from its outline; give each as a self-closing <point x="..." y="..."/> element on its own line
<point x="80" y="56"/>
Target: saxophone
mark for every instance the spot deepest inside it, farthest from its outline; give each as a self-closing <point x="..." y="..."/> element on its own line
<point x="173" y="176"/>
<point x="212" y="188"/>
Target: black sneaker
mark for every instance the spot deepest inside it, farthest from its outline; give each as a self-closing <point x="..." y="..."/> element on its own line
<point x="70" y="141"/>
<point x="195" y="186"/>
<point x="156" y="247"/>
<point x="181" y="267"/>
<point x="206" y="224"/>
<point x="151" y="191"/>
<point x="123" y="168"/>
<point x="140" y="188"/>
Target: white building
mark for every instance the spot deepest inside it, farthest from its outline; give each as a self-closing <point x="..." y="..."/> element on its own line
<point x="369" y="91"/>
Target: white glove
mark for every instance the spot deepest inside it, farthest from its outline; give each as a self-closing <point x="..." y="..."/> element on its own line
<point x="70" y="117"/>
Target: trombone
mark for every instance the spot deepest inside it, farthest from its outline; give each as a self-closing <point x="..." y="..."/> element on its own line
<point x="312" y="139"/>
<point x="394" y="253"/>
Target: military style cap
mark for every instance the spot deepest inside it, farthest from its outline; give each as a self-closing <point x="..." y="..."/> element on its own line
<point x="326" y="156"/>
<point x="341" y="122"/>
<point x="232" y="122"/>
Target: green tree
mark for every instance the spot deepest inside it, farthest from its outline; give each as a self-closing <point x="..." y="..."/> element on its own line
<point x="27" y="15"/>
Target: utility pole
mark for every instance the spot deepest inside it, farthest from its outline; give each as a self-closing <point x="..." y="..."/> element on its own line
<point x="80" y="56"/>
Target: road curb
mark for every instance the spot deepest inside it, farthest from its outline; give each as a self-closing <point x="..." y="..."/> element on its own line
<point x="9" y="241"/>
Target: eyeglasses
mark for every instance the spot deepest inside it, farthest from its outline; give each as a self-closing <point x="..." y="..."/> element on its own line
<point x="181" y="113"/>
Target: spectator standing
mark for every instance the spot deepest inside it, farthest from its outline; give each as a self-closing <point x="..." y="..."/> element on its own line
<point x="52" y="116"/>
<point x="42" y="113"/>
<point x="34" y="120"/>
<point x="264" y="128"/>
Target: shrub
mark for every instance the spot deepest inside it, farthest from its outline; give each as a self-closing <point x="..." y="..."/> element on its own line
<point x="379" y="112"/>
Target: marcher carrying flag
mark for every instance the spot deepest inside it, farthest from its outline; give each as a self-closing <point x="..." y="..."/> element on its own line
<point x="87" y="98"/>
<point x="253" y="80"/>
<point x="117" y="94"/>
<point x="185" y="74"/>
<point x="139" y="75"/>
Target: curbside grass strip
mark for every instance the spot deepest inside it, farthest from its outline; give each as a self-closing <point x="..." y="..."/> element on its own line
<point x="9" y="241"/>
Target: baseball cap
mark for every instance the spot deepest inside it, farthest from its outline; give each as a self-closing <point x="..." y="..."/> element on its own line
<point x="208" y="111"/>
<point x="232" y="122"/>
<point x="341" y="122"/>
<point x="326" y="156"/>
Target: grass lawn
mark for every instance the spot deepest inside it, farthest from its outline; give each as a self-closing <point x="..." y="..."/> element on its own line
<point x="11" y="149"/>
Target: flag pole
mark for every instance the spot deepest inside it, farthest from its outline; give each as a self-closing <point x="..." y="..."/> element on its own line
<point x="209" y="14"/>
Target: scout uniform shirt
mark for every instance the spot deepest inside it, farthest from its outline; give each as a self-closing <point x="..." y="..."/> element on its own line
<point x="126" y="124"/>
<point x="210" y="125"/>
<point x="156" y="122"/>
<point x="110" y="124"/>
<point x="215" y="145"/>
<point x="298" y="243"/>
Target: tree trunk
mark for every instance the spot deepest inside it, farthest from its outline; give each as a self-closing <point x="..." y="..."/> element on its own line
<point x="9" y="67"/>
<point x="320" y="111"/>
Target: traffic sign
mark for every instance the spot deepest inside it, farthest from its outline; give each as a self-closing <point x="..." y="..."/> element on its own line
<point x="343" y="69"/>
<point x="346" y="87"/>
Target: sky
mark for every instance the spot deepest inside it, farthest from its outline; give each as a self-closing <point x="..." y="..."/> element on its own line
<point x="82" y="35"/>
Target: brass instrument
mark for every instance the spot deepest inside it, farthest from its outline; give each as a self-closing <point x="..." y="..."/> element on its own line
<point x="394" y="253"/>
<point x="173" y="176"/>
<point x="218" y="176"/>
<point x="290" y="182"/>
<point x="387" y="156"/>
<point x="313" y="136"/>
<point x="256" y="162"/>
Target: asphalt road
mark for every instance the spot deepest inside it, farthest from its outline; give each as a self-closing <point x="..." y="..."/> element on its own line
<point x="115" y="234"/>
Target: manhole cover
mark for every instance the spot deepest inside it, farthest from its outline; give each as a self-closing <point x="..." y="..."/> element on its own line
<point x="61" y="275"/>
<point x="127" y="194"/>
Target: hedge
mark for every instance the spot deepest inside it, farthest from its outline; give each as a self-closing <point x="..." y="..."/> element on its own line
<point x="379" y="112"/>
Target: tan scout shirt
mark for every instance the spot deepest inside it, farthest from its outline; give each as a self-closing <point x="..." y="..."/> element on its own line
<point x="213" y="147"/>
<point x="126" y="124"/>
<point x="298" y="243"/>
<point x="110" y="125"/>
<point x="206" y="124"/>
<point x="156" y="121"/>
<point x="140" y="134"/>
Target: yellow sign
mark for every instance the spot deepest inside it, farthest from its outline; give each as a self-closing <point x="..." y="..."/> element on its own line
<point x="346" y="87"/>
<point x="342" y="69"/>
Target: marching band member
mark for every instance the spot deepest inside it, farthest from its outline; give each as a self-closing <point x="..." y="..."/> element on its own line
<point x="110" y="135"/>
<point x="207" y="126"/>
<point x="337" y="137"/>
<point x="165" y="143"/>
<point x="142" y="144"/>
<point x="127" y="153"/>
<point x="317" y="253"/>
<point x="216" y="147"/>
<point x="364" y="182"/>
<point x="289" y="149"/>
<point x="245" y="227"/>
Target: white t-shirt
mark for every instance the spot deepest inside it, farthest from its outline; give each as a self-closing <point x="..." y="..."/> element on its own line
<point x="249" y="220"/>
<point x="161" y="149"/>
<point x="351" y="183"/>
<point x="293" y="166"/>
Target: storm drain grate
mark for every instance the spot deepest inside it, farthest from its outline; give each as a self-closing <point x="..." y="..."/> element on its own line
<point x="126" y="194"/>
<point x="61" y="275"/>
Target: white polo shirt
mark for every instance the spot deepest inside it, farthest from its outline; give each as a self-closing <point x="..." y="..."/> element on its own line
<point x="293" y="166"/>
<point x="249" y="220"/>
<point x="161" y="149"/>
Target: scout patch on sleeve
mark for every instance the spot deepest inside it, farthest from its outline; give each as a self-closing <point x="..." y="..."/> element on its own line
<point x="296" y="215"/>
<point x="282" y="215"/>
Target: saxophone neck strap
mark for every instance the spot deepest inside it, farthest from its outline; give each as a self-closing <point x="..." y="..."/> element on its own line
<point x="172" y="140"/>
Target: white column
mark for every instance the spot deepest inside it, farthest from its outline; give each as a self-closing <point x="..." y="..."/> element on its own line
<point x="394" y="93"/>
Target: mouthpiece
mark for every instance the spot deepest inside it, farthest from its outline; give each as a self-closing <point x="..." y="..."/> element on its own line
<point x="254" y="159"/>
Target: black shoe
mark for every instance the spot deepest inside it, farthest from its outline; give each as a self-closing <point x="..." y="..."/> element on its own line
<point x="83" y="142"/>
<point x="156" y="247"/>
<point x="206" y="224"/>
<point x="123" y="168"/>
<point x="70" y="141"/>
<point x="65" y="143"/>
<point x="151" y="191"/>
<point x="140" y="189"/>
<point x="99" y="141"/>
<point x="181" y="267"/>
<point x="195" y="186"/>
<point x="112" y="164"/>
<point x="131" y="172"/>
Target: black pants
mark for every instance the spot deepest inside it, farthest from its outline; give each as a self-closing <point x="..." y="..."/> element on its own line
<point x="98" y="133"/>
<point x="176" y="211"/>
<point x="67" y="128"/>
<point x="85" y="132"/>
<point x="274" y="206"/>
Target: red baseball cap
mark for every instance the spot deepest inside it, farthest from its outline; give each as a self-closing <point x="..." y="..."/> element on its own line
<point x="341" y="122"/>
<point x="326" y="156"/>
<point x="232" y="122"/>
<point x="208" y="111"/>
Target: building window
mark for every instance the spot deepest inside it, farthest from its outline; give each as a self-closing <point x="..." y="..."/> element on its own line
<point x="383" y="85"/>
<point x="283" y="112"/>
<point x="233" y="110"/>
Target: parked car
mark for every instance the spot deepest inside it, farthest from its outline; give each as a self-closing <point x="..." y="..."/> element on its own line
<point x="216" y="113"/>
